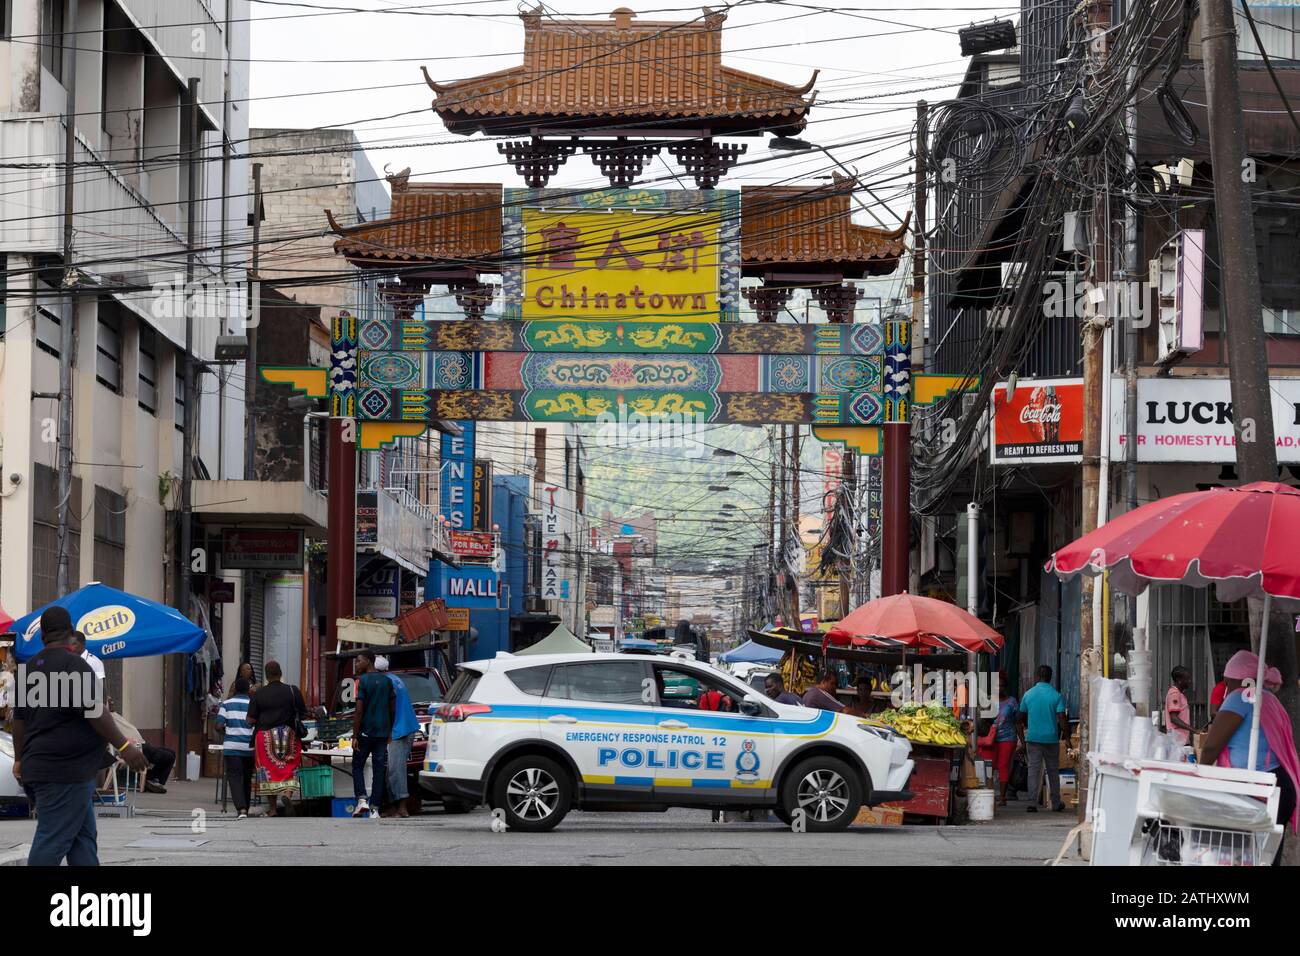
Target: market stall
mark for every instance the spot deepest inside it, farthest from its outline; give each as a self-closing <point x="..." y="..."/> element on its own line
<point x="1150" y="801"/>
<point x="939" y="746"/>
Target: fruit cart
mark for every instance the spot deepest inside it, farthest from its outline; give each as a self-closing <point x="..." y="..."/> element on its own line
<point x="1162" y="813"/>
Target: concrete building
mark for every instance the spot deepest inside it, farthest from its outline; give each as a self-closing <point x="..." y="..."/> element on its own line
<point x="120" y="292"/>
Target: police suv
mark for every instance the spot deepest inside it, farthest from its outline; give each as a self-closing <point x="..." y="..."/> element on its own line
<point x="535" y="737"/>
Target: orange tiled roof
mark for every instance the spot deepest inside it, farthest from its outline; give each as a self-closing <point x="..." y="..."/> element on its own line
<point x="430" y="222"/>
<point x="626" y="69"/>
<point x="457" y="223"/>
<point x="799" y="225"/>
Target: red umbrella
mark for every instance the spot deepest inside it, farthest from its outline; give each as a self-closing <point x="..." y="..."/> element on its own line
<point x="906" y="620"/>
<point x="1241" y="539"/>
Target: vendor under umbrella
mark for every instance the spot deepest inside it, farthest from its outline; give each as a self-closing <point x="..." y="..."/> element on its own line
<point x="1228" y="741"/>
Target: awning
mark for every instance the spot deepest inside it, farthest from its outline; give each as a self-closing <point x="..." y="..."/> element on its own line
<point x="559" y="641"/>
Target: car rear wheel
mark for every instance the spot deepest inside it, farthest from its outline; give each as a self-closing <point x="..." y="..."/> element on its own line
<point x="533" y="792"/>
<point x="825" y="790"/>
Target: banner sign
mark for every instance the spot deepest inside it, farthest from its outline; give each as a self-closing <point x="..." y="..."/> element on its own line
<point x="1190" y="420"/>
<point x="471" y="544"/>
<point x="471" y="587"/>
<point x="628" y="254"/>
<point x="481" y="510"/>
<point x="832" y="469"/>
<point x="604" y="404"/>
<point x="1042" y="422"/>
<point x="383" y="336"/>
<point x="377" y="591"/>
<point x="367" y="517"/>
<point x="261" y="549"/>
<point x="455" y="498"/>
<point x="554" y="586"/>
<point x="875" y="498"/>
<point x="457" y="619"/>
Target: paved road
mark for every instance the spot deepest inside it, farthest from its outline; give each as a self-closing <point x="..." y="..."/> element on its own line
<point x="163" y="836"/>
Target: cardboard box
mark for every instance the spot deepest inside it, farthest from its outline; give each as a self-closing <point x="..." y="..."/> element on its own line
<point x="878" y="817"/>
<point x="1069" y="790"/>
<point x="1065" y="757"/>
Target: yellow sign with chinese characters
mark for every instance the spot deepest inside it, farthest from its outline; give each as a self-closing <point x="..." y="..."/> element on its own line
<point x="621" y="264"/>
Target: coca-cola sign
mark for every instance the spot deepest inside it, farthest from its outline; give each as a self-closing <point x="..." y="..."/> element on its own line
<point x="1041" y="421"/>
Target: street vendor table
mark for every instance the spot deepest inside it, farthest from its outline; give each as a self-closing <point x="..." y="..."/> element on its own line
<point x="932" y="780"/>
<point x="222" y="795"/>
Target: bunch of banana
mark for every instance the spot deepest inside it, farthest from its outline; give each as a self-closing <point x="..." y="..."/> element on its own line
<point x="925" y="725"/>
<point x="798" y="671"/>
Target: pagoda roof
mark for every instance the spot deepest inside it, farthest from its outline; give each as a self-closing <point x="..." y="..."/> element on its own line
<point x="806" y="227"/>
<point x="453" y="224"/>
<point x="459" y="225"/>
<point x="621" y="73"/>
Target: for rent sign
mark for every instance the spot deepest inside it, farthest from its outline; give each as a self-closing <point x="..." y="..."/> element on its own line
<point x="1191" y="420"/>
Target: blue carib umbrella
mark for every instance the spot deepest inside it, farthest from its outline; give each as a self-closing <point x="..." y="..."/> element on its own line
<point x="116" y="624"/>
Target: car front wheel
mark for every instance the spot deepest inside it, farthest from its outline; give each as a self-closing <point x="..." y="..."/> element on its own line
<point x="534" y="793"/>
<point x="824" y="792"/>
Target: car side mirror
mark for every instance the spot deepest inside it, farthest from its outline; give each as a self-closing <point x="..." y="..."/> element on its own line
<point x="751" y="707"/>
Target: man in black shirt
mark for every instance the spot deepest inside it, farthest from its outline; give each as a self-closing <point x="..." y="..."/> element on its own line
<point x="60" y="727"/>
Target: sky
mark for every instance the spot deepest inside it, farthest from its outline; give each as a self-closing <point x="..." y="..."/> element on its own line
<point x="876" y="60"/>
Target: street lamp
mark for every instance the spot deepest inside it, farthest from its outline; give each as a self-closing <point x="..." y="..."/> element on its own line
<point x="790" y="144"/>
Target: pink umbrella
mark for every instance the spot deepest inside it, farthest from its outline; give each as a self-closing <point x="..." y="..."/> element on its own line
<point x="1243" y="540"/>
<point x="6" y="622"/>
<point x="908" y="620"/>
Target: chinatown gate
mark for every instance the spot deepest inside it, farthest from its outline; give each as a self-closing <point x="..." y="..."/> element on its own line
<point x="613" y="301"/>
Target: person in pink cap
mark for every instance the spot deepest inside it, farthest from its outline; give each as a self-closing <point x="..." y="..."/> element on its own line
<point x="1228" y="741"/>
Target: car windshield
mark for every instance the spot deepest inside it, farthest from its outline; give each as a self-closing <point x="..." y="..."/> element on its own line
<point x="422" y="688"/>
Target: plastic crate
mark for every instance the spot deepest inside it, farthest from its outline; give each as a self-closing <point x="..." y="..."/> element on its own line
<point x="316" y="782"/>
<point x="343" y="806"/>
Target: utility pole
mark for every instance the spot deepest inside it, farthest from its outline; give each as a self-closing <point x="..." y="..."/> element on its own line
<point x="187" y="432"/>
<point x="67" y="336"/>
<point x="1252" y="409"/>
<point x="896" y="547"/>
<point x="1095" y="378"/>
<point x="793" y="583"/>
<point x="771" y="503"/>
<point x="783" y="531"/>
<point x="848" y="489"/>
<point x="254" y="309"/>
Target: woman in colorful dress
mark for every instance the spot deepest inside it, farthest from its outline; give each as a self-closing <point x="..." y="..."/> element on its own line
<point x="275" y="711"/>
<point x="1227" y="742"/>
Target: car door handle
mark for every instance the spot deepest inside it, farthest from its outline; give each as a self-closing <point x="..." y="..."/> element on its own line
<point x="561" y="719"/>
<point x="673" y="724"/>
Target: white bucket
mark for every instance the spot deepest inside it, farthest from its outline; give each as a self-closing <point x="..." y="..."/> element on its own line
<point x="979" y="805"/>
